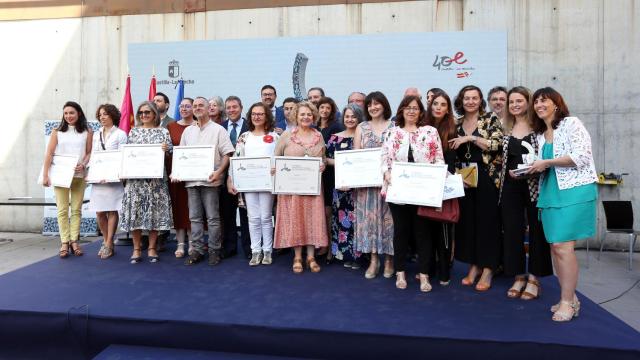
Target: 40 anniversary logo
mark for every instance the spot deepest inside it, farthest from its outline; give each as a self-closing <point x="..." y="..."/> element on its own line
<point x="454" y="63"/>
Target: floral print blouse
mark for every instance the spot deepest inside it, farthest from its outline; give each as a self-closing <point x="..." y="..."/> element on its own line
<point x="425" y="146"/>
<point x="490" y="128"/>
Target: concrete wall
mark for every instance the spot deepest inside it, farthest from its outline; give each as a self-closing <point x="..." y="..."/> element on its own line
<point x="587" y="49"/>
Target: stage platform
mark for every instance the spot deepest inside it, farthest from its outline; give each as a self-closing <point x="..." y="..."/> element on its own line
<point x="77" y="307"/>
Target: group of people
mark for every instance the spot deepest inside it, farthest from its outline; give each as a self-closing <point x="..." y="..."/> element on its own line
<point x="553" y="203"/>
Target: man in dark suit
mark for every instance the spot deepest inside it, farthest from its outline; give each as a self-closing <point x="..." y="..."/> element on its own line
<point x="235" y="125"/>
<point x="268" y="95"/>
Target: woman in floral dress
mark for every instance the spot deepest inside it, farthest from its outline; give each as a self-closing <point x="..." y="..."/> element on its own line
<point x="374" y="225"/>
<point x="146" y="204"/>
<point x="344" y="216"/>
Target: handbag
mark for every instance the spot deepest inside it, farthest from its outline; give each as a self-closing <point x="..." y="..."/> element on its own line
<point x="469" y="175"/>
<point x="448" y="213"/>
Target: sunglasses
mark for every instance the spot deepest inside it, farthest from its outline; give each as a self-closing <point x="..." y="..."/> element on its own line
<point x="145" y="112"/>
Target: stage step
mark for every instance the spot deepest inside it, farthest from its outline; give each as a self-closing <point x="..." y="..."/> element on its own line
<point x="130" y="352"/>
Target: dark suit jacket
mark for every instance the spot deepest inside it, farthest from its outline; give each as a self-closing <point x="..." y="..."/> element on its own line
<point x="281" y="122"/>
<point x="245" y="126"/>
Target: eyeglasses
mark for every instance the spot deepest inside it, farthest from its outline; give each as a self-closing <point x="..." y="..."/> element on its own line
<point x="144" y="112"/>
<point x="412" y="109"/>
<point x="257" y="114"/>
<point x="186" y="106"/>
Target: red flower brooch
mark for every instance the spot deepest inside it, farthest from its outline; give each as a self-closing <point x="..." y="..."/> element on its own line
<point x="268" y="139"/>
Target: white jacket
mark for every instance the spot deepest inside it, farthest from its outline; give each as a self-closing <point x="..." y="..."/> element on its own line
<point x="571" y="138"/>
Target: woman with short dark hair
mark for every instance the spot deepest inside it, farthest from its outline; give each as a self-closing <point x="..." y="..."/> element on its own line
<point x="72" y="137"/>
<point x="106" y="198"/>
<point x="478" y="144"/>
<point x="568" y="193"/>
<point x="146" y="204"/>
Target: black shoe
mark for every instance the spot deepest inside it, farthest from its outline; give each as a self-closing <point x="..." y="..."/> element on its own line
<point x="229" y="254"/>
<point x="194" y="258"/>
<point x="214" y="258"/>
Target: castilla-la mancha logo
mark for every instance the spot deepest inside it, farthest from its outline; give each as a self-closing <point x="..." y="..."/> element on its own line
<point x="174" y="69"/>
<point x="457" y="63"/>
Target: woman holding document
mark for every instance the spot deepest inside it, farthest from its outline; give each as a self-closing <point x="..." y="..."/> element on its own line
<point x="343" y="220"/>
<point x="300" y="220"/>
<point x="568" y="192"/>
<point x="374" y="225"/>
<point x="411" y="140"/>
<point x="106" y="198"/>
<point x="478" y="146"/>
<point x="146" y="204"/>
<point x="518" y="198"/>
<point x="260" y="140"/>
<point x="72" y="137"/>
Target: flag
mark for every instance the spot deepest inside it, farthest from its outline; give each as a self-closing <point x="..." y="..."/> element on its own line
<point x="152" y="88"/>
<point x="179" y="97"/>
<point x="126" y="110"/>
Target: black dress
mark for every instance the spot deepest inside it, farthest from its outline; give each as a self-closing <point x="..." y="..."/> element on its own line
<point x="328" y="175"/>
<point x="517" y="207"/>
<point x="478" y="233"/>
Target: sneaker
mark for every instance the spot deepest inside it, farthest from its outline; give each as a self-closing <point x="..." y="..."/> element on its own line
<point x="355" y="265"/>
<point x="255" y="259"/>
<point x="347" y="264"/>
<point x="214" y="258"/>
<point x="194" y="258"/>
<point x="266" y="260"/>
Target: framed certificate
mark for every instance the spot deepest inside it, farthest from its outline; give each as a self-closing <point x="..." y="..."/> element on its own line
<point x="417" y="184"/>
<point x="251" y="174"/>
<point x="358" y="168"/>
<point x="192" y="163"/>
<point x="104" y="166"/>
<point x="61" y="170"/>
<point x="142" y="161"/>
<point x="297" y="175"/>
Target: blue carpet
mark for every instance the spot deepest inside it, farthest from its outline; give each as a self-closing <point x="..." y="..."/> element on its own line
<point x="128" y="352"/>
<point x="76" y="307"/>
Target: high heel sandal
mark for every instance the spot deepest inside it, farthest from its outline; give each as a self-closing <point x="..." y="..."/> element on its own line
<point x="401" y="281"/>
<point x="64" y="251"/>
<point x="107" y="252"/>
<point x="77" y="251"/>
<point x="468" y="281"/>
<point x="297" y="266"/>
<point x="564" y="316"/>
<point x="388" y="268"/>
<point x="136" y="259"/>
<point x="515" y="292"/>
<point x="180" y="251"/>
<point x="425" y="286"/>
<point x="313" y="265"/>
<point x="372" y="272"/>
<point x="526" y="295"/>
<point x="153" y="258"/>
<point x="483" y="285"/>
<point x="555" y="307"/>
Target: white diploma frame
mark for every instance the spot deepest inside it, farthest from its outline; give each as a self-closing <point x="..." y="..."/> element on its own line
<point x="104" y="166"/>
<point x="61" y="171"/>
<point x="358" y="168"/>
<point x="192" y="163"/>
<point x="453" y="187"/>
<point x="297" y="175"/>
<point x="251" y="174"/>
<point x="142" y="161"/>
<point x="417" y="184"/>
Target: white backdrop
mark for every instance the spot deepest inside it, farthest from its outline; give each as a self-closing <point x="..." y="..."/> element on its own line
<point x="340" y="64"/>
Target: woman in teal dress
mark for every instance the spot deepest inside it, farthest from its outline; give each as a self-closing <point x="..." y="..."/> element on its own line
<point x="568" y="192"/>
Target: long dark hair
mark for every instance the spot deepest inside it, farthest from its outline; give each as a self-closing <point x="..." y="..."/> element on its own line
<point x="447" y="125"/>
<point x="403" y="104"/>
<point x="334" y="109"/>
<point x="561" y="112"/>
<point x="81" y="125"/>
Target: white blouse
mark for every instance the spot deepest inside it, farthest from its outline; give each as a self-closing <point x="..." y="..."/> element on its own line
<point x="71" y="142"/>
<point x="112" y="139"/>
<point x="571" y="138"/>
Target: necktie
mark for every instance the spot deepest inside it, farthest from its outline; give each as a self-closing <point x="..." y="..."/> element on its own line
<point x="233" y="134"/>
